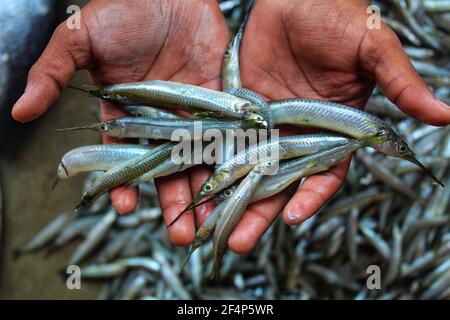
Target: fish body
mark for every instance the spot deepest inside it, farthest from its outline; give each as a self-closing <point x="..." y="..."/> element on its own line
<point x="127" y="172"/>
<point x="344" y="119"/>
<point x="204" y="231"/>
<point x="98" y="158"/>
<point x="157" y="129"/>
<point x="230" y="67"/>
<point x="173" y="94"/>
<point x="45" y="235"/>
<point x="232" y="211"/>
<point x="149" y="112"/>
<point x="94" y="237"/>
<point x="295" y="169"/>
<point x="231" y="73"/>
<point x="287" y="147"/>
<point x="166" y="168"/>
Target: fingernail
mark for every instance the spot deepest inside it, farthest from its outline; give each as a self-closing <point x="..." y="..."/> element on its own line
<point x="293" y="215"/>
<point x="124" y="204"/>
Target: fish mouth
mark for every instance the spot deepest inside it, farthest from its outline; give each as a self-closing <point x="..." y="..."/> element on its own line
<point x="416" y="161"/>
<point x="88" y="127"/>
<point x="191" y="206"/>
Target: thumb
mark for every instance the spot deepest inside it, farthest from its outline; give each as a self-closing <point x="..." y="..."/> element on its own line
<point x="67" y="51"/>
<point x="382" y="56"/>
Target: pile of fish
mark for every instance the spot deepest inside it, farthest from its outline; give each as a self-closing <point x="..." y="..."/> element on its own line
<point x="386" y="217"/>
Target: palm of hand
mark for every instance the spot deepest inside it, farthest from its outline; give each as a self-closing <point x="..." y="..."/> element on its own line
<point x="283" y="56"/>
<point x="183" y="42"/>
<point x="292" y="57"/>
<point x="141" y="40"/>
<point x="309" y="48"/>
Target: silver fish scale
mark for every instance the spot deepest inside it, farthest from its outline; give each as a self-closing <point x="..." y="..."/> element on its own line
<point x="99" y="155"/>
<point x="289" y="146"/>
<point x="188" y="95"/>
<point x="289" y="170"/>
<point x="325" y="156"/>
<point x="232" y="212"/>
<point x="327" y="115"/>
<point x="122" y="176"/>
<point x="163" y="129"/>
<point x="181" y="123"/>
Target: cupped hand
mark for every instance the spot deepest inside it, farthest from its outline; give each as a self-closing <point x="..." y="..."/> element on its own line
<point x="322" y="49"/>
<point x="134" y="40"/>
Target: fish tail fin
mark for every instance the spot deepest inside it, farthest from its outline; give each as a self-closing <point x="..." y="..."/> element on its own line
<point x="81" y="205"/>
<point x="215" y="271"/>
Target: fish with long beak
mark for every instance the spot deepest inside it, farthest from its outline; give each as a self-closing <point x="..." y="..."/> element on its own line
<point x="395" y="146"/>
<point x="219" y="198"/>
<point x="153" y="128"/>
<point x="344" y="119"/>
<point x="191" y="206"/>
<point x="105" y="127"/>
<point x="177" y="95"/>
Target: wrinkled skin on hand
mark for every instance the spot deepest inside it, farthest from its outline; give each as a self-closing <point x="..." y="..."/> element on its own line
<point x="134" y="40"/>
<point x="291" y="48"/>
<point x="322" y="49"/>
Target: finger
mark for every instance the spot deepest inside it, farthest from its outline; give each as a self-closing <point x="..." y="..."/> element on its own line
<point x="382" y="56"/>
<point x="124" y="199"/>
<point x="197" y="177"/>
<point x="67" y="51"/>
<point x="255" y="221"/>
<point x="174" y="195"/>
<point x="314" y="193"/>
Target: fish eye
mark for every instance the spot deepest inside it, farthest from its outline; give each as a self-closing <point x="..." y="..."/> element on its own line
<point x="208" y="187"/>
<point x="403" y="148"/>
<point x="103" y="127"/>
<point x="228" y="193"/>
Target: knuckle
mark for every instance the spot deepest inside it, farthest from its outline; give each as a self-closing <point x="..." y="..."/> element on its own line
<point x="389" y="37"/>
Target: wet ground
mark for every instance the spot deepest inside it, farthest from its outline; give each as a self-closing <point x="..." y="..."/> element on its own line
<point x="29" y="157"/>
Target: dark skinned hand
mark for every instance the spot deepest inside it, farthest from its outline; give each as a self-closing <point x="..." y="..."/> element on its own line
<point x="322" y="49"/>
<point x="291" y="48"/>
<point x="127" y="41"/>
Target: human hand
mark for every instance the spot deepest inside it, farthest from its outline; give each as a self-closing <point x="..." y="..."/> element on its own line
<point x="322" y="49"/>
<point x="127" y="41"/>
